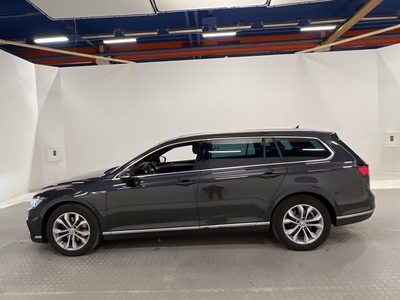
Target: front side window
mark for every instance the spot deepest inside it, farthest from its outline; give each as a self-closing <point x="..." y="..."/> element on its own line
<point x="301" y="149"/>
<point x="171" y="159"/>
<point x="234" y="152"/>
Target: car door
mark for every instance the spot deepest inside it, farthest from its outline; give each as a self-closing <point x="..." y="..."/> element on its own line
<point x="157" y="201"/>
<point x="240" y="177"/>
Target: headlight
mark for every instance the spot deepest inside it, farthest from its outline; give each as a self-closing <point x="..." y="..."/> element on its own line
<point x="36" y="200"/>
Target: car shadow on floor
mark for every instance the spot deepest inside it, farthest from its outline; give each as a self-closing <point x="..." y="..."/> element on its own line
<point x="217" y="239"/>
<point x="265" y="239"/>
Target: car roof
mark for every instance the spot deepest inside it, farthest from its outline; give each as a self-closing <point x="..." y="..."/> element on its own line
<point x="252" y="132"/>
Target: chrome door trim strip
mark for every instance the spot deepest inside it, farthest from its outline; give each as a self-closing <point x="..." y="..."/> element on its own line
<point x="262" y="223"/>
<point x="228" y="225"/>
<point x="233" y="225"/>
<point x="355" y="215"/>
<point x="150" y="230"/>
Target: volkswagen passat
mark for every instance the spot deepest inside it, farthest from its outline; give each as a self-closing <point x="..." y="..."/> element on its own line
<point x="297" y="182"/>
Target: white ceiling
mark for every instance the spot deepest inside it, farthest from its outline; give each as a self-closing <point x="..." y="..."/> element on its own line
<point x="179" y="5"/>
<point x="77" y="9"/>
<point x="290" y="2"/>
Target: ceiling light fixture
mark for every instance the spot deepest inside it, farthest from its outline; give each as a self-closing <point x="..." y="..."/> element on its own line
<point x="218" y="34"/>
<point x="380" y="18"/>
<point x="141" y="33"/>
<point x="233" y="28"/>
<point x="186" y="30"/>
<point x="55" y="39"/>
<point x="112" y="36"/>
<point x="119" y="41"/>
<point x="318" y="28"/>
<point x="326" y="21"/>
<point x="273" y="25"/>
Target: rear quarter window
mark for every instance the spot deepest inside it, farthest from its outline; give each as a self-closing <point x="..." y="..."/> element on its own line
<point x="302" y="149"/>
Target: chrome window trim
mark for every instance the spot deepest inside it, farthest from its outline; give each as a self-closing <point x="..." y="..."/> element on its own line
<point x="312" y="138"/>
<point x="116" y="177"/>
<point x="233" y="225"/>
<point x="355" y="215"/>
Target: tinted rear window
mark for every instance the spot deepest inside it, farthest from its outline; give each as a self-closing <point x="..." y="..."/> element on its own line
<point x="300" y="149"/>
<point x="235" y="152"/>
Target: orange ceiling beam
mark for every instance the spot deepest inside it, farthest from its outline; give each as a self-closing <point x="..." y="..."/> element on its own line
<point x="226" y="51"/>
<point x="238" y="45"/>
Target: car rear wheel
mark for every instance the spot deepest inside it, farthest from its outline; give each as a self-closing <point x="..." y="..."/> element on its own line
<point x="301" y="222"/>
<point x="73" y="230"/>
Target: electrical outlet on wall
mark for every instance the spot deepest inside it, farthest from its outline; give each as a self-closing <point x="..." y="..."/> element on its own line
<point x="391" y="139"/>
<point x="54" y="154"/>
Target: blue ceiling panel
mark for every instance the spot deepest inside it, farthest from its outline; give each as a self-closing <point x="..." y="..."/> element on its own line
<point x="20" y="21"/>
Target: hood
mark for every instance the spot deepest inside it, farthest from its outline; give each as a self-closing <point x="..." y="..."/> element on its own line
<point x="92" y="176"/>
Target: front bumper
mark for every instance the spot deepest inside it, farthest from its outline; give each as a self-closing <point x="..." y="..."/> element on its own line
<point x="34" y="223"/>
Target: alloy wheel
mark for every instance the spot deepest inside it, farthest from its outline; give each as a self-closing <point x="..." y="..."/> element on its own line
<point x="71" y="231"/>
<point x="303" y="224"/>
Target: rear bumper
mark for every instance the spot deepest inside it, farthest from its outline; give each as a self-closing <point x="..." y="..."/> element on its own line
<point x="354" y="218"/>
<point x="363" y="212"/>
<point x="34" y="224"/>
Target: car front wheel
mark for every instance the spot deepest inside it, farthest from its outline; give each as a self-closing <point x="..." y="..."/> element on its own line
<point x="301" y="223"/>
<point x="73" y="230"/>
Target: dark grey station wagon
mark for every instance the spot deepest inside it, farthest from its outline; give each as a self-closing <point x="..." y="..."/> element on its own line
<point x="297" y="182"/>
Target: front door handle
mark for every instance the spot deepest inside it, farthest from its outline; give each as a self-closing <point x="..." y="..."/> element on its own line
<point x="185" y="182"/>
<point x="269" y="175"/>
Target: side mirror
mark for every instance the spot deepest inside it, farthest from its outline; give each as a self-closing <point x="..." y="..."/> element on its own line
<point x="125" y="176"/>
<point x="129" y="179"/>
<point x="162" y="159"/>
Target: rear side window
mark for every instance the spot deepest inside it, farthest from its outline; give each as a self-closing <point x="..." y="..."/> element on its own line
<point x="234" y="152"/>
<point x="300" y="149"/>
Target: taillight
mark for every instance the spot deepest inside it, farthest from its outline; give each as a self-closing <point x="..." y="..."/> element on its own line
<point x="364" y="170"/>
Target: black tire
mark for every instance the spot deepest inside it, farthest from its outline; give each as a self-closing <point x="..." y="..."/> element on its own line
<point x="308" y="236"/>
<point x="84" y="238"/>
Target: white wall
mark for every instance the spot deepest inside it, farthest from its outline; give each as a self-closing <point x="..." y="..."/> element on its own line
<point x="18" y="119"/>
<point x="102" y="116"/>
<point x="115" y="112"/>
<point x="50" y="127"/>
<point x="389" y="104"/>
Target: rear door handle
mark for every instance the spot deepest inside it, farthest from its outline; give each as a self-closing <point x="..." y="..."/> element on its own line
<point x="185" y="182"/>
<point x="269" y="175"/>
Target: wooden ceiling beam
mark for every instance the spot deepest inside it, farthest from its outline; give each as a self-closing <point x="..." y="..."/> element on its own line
<point x="20" y="44"/>
<point x="352" y="21"/>
<point x="354" y="38"/>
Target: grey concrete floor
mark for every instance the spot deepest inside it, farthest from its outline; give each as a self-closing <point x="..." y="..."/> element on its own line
<point x="359" y="261"/>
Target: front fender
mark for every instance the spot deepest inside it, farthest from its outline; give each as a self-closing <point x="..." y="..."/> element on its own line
<point x="92" y="195"/>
